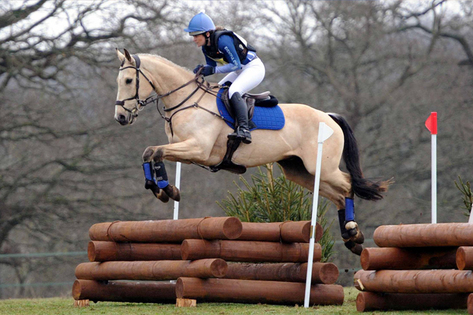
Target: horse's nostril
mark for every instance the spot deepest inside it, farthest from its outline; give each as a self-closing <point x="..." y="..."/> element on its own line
<point x="121" y="119"/>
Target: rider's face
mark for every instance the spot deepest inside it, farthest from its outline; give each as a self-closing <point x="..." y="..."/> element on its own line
<point x="199" y="40"/>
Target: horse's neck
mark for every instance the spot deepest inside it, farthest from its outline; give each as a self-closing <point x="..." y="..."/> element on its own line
<point x="168" y="77"/>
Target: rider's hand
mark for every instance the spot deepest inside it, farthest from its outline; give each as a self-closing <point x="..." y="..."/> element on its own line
<point x="204" y="70"/>
<point x="198" y="68"/>
<point x="207" y="70"/>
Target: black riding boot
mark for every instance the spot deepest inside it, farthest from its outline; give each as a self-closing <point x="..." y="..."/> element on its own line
<point x="240" y="109"/>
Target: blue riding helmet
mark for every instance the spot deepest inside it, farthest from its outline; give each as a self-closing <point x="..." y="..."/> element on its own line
<point x="200" y="24"/>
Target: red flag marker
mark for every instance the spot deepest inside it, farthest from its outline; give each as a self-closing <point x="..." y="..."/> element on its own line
<point x="431" y="123"/>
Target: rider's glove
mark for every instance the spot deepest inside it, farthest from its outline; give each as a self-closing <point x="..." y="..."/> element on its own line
<point x="207" y="70"/>
<point x="198" y="68"/>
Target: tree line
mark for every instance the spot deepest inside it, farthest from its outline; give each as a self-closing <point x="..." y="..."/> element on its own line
<point x="66" y="164"/>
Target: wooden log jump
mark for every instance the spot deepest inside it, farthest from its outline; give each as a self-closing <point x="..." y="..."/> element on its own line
<point x="369" y="301"/>
<point x="116" y="291"/>
<point x="151" y="270"/>
<point x="326" y="273"/>
<point x="248" y="251"/>
<point x="414" y="281"/>
<point x="464" y="258"/>
<point x="424" y="235"/>
<point x="167" y="231"/>
<point x="112" y="251"/>
<point x="193" y="251"/>
<point x="250" y="291"/>
<point x="287" y="232"/>
<point x="394" y="258"/>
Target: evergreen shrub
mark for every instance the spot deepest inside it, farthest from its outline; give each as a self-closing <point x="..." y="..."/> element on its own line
<point x="271" y="198"/>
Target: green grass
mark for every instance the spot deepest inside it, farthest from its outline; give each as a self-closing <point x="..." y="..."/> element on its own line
<point x="65" y="306"/>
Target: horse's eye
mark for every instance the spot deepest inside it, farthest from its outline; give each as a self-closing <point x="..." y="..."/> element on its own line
<point x="128" y="81"/>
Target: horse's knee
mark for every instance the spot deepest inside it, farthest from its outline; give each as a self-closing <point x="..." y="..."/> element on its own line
<point x="152" y="154"/>
<point x="148" y="154"/>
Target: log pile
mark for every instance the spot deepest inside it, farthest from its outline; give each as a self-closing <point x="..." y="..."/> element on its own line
<point x="213" y="259"/>
<point x="417" y="267"/>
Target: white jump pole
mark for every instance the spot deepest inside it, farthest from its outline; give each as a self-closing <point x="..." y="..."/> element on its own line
<point x="324" y="133"/>
<point x="434" y="178"/>
<point x="431" y="124"/>
<point x="176" y="203"/>
<point x="178" y="186"/>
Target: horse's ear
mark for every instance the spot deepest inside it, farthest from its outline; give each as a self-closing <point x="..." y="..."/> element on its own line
<point x="128" y="56"/>
<point x="120" y="56"/>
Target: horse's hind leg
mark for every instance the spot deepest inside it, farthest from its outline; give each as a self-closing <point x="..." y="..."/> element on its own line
<point x="336" y="188"/>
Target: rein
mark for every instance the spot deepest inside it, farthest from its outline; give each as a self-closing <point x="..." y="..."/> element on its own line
<point x="198" y="79"/>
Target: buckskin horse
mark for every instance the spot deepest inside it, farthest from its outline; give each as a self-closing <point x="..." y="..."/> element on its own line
<point x="197" y="133"/>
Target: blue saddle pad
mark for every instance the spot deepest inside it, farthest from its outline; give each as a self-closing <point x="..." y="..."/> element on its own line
<point x="271" y="118"/>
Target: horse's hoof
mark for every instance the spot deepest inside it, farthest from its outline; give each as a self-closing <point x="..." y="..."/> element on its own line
<point x="172" y="192"/>
<point x="359" y="238"/>
<point x="357" y="249"/>
<point x="354" y="247"/>
<point x="159" y="193"/>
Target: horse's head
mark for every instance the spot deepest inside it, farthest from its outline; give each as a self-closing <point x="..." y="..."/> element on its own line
<point x="130" y="93"/>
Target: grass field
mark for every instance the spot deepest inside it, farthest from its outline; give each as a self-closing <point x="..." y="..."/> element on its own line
<point x="65" y="306"/>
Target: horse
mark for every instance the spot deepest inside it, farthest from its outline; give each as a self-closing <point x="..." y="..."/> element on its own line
<point x="198" y="134"/>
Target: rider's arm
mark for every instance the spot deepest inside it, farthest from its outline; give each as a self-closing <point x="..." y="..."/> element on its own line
<point x="225" y="45"/>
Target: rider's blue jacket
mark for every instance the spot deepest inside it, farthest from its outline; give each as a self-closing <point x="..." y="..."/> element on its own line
<point x="227" y="52"/>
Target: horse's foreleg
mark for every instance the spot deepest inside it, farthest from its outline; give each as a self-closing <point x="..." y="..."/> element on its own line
<point x="151" y="184"/>
<point x="177" y="151"/>
<point x="163" y="183"/>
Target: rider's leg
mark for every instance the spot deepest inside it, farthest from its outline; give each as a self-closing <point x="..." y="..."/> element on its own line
<point x="240" y="109"/>
<point x="246" y="79"/>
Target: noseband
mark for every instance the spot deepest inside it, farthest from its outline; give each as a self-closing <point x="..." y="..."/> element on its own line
<point x="139" y="103"/>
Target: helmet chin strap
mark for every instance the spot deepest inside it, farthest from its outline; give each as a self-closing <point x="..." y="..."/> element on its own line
<point x="207" y="38"/>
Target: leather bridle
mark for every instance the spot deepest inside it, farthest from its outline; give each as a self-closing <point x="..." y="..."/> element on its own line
<point x="198" y="79"/>
<point x="139" y="103"/>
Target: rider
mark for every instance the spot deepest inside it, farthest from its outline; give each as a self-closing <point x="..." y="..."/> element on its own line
<point x="235" y="57"/>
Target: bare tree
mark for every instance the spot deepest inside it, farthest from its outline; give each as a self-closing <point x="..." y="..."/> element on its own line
<point x="64" y="162"/>
<point x="385" y="66"/>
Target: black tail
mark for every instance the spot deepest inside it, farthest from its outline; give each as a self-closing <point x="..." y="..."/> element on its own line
<point x="362" y="187"/>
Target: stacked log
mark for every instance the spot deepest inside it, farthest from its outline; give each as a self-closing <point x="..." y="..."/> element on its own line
<point x="209" y="259"/>
<point x="417" y="267"/>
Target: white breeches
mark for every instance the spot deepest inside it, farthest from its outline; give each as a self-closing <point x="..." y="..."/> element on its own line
<point x="245" y="79"/>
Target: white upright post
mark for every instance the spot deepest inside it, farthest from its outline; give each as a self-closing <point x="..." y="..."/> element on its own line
<point x="434" y="178"/>
<point x="431" y="124"/>
<point x="324" y="133"/>
<point x="178" y="186"/>
<point x="470" y="219"/>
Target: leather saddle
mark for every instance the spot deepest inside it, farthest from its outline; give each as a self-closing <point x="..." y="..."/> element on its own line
<point x="264" y="99"/>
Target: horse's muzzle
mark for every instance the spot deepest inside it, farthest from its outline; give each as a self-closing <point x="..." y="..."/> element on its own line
<point x="121" y="119"/>
<point x="125" y="119"/>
